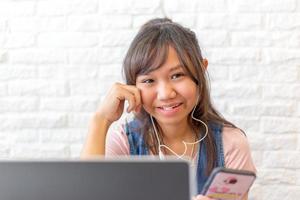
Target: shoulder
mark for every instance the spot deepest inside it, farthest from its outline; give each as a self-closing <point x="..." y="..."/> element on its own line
<point x="237" y="151"/>
<point x="234" y="138"/>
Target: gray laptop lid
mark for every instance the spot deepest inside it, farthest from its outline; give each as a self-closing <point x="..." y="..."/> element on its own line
<point x="101" y="180"/>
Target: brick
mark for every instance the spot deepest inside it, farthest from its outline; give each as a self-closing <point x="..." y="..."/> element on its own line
<point x="236" y="91"/>
<point x="284" y="159"/>
<point x="79" y="120"/>
<point x="115" y="6"/>
<point x="83" y="23"/>
<point x="4" y="151"/>
<point x="274" y="192"/>
<point x="57" y="8"/>
<point x="38" y="56"/>
<point x="255" y="192"/>
<point x="75" y="150"/>
<point x="170" y="6"/>
<point x="36" y="24"/>
<point x="211" y="6"/>
<point x="141" y="19"/>
<point x="81" y="72"/>
<point x="12" y="9"/>
<point x="53" y="8"/>
<point x="61" y="136"/>
<point x="256" y="157"/>
<point x="278" y="109"/>
<point x="52" y="71"/>
<point x="275" y="74"/>
<point x="19" y="40"/>
<point x="114" y="39"/>
<point x="281" y="91"/>
<point x="37" y="152"/>
<point x="115" y="22"/>
<point x="265" y="39"/>
<point x="286" y="38"/>
<point x="246" y="73"/>
<point x="248" y="124"/>
<point x="282" y="21"/>
<point x="232" y="56"/>
<point x="55" y="151"/>
<point x="37" y="87"/>
<point x="26" y="151"/>
<point x="278" y="176"/>
<point x="220" y="104"/>
<point x="83" y="7"/>
<point x="3" y="89"/>
<point x="213" y="38"/>
<point x="111" y="55"/>
<point x="246" y="108"/>
<point x="294" y="192"/>
<point x="33" y="121"/>
<point x="2" y="40"/>
<point x="24" y="136"/>
<point x="229" y="21"/>
<point x="279" y="125"/>
<point x="90" y="87"/>
<point x="281" y="142"/>
<point x="218" y="73"/>
<point x="251" y="39"/>
<point x="3" y="54"/>
<point x="145" y="7"/>
<point x="280" y="55"/>
<point x="2" y="24"/>
<point x="262" y="6"/>
<point x="70" y="104"/>
<point x="297" y="110"/>
<point x="84" y="56"/>
<point x="68" y="39"/>
<point x="17" y="104"/>
<point x="110" y="72"/>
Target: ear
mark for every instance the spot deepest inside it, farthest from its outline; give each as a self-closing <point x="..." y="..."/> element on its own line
<point x="205" y="63"/>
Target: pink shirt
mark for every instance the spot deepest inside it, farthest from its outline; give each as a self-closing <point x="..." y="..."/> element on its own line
<point x="236" y="148"/>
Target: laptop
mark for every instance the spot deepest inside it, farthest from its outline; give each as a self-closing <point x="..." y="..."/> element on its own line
<point x="94" y="180"/>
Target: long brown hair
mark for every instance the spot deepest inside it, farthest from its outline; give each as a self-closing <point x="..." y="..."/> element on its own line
<point x="148" y="51"/>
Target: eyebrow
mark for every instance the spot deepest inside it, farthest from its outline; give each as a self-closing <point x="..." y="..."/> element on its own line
<point x="176" y="67"/>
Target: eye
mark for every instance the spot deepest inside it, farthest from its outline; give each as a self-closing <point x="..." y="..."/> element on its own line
<point x="177" y="75"/>
<point x="148" y="81"/>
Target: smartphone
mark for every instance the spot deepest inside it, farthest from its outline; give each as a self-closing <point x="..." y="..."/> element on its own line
<point x="228" y="184"/>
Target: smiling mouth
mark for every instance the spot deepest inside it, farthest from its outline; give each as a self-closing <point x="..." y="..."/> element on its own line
<point x="170" y="107"/>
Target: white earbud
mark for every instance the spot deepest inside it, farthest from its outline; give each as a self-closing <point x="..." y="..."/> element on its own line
<point x="161" y="155"/>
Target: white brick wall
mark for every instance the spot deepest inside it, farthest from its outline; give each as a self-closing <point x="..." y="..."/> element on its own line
<point x="58" y="58"/>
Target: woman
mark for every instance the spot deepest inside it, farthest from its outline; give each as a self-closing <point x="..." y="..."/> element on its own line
<point x="167" y="90"/>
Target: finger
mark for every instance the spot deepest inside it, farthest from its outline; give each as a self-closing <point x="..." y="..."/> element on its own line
<point x="137" y="95"/>
<point x="125" y="94"/>
<point x="201" y="197"/>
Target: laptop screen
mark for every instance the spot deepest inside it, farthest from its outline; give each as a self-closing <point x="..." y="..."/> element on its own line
<point x="94" y="180"/>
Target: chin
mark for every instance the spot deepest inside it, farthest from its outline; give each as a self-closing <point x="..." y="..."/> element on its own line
<point x="170" y="120"/>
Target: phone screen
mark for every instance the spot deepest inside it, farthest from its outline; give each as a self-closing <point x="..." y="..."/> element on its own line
<point x="228" y="184"/>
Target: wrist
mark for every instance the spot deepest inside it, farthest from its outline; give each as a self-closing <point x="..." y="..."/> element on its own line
<point x="100" y="120"/>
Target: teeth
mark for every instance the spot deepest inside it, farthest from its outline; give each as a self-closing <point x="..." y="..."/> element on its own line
<point x="167" y="108"/>
<point x="170" y="107"/>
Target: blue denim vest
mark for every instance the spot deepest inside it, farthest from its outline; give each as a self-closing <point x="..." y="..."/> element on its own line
<point x="138" y="147"/>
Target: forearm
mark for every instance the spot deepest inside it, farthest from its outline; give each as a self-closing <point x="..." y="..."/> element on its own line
<point x="95" y="142"/>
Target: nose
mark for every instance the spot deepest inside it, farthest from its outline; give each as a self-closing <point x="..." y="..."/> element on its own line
<point x="165" y="91"/>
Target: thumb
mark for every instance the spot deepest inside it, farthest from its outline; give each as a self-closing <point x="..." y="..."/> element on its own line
<point x="201" y="197"/>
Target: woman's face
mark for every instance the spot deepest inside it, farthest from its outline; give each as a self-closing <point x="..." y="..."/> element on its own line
<point x="168" y="93"/>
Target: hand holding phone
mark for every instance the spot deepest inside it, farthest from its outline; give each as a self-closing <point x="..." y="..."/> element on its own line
<point x="228" y="184"/>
